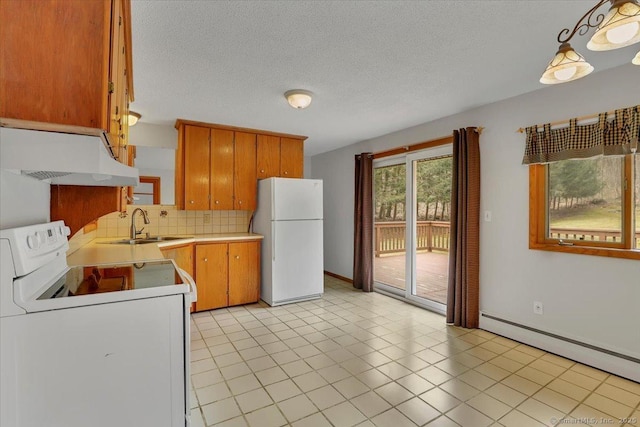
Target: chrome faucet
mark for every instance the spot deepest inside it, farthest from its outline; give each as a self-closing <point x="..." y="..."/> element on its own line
<point x="133" y="233"/>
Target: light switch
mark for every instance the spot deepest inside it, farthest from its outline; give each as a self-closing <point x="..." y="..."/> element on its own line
<point x="487" y="216"/>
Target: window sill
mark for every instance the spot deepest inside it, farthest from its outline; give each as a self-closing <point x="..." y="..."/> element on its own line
<point x="588" y="250"/>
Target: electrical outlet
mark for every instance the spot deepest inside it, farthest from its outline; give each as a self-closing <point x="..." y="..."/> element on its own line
<point x="537" y="307"/>
<point x="207" y="218"/>
<point x="487" y="216"/>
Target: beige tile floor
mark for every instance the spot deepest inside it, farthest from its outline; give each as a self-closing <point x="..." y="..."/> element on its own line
<point x="353" y="358"/>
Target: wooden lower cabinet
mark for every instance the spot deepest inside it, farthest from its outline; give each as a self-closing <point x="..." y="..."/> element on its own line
<point x="212" y="271"/>
<point x="244" y="273"/>
<point x="183" y="256"/>
<point x="227" y="274"/>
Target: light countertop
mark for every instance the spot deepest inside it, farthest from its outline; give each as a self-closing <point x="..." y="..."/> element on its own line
<point x="99" y="252"/>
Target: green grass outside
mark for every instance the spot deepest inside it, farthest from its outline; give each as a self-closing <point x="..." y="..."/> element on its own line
<point x="587" y="217"/>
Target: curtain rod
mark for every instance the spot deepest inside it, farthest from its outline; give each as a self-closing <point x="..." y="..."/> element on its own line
<point x="420" y="145"/>
<point x="566" y="122"/>
<point x="414" y="147"/>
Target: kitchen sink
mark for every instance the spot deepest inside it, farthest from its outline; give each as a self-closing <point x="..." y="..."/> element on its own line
<point x="152" y="239"/>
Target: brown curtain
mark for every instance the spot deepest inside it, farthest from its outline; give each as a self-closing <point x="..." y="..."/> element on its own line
<point x="464" y="259"/>
<point x="363" y="224"/>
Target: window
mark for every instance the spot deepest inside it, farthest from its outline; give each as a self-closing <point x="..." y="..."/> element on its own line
<point x="588" y="206"/>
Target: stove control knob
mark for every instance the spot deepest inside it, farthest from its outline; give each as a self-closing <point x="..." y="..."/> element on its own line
<point x="64" y="231"/>
<point x="33" y="242"/>
<point x="41" y="237"/>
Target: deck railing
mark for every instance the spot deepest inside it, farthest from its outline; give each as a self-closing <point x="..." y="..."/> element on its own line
<point x="435" y="235"/>
<point x="390" y="236"/>
<point x="597" y="235"/>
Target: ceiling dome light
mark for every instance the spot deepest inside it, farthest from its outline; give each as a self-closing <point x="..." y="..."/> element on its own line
<point x="133" y="118"/>
<point x="620" y="27"/>
<point x="298" y="98"/>
<point x="566" y="66"/>
<point x="636" y="60"/>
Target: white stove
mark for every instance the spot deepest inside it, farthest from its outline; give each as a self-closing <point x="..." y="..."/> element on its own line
<point x="98" y="345"/>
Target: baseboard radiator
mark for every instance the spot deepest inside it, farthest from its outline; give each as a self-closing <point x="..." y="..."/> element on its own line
<point x="599" y="357"/>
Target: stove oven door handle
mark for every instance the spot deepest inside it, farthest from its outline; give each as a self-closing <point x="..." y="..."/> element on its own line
<point x="192" y="285"/>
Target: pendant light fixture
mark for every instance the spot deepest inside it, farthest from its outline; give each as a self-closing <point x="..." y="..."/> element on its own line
<point x="620" y="27"/>
<point x="298" y="98"/>
<point x="567" y="65"/>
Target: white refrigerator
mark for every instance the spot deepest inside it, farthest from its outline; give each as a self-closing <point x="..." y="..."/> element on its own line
<point x="289" y="216"/>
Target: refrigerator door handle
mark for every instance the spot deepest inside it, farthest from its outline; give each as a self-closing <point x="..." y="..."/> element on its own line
<point x="273" y="240"/>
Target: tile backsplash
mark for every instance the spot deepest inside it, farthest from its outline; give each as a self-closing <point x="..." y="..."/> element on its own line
<point x="165" y="220"/>
<point x="168" y="220"/>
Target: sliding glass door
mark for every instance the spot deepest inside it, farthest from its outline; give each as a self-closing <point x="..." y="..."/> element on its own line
<point x="412" y="196"/>
<point x="390" y="234"/>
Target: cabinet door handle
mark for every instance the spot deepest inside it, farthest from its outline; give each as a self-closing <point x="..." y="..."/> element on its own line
<point x="237" y="256"/>
<point x="205" y="259"/>
<point x="286" y="173"/>
<point x="239" y="202"/>
<point x="217" y="202"/>
<point x="192" y="201"/>
<point x="261" y="170"/>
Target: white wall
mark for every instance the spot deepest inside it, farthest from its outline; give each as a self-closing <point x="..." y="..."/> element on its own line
<point x="307" y="167"/>
<point x="161" y="162"/>
<point x="155" y="155"/>
<point x="587" y="298"/>
<point x="23" y="200"/>
<point x="151" y="135"/>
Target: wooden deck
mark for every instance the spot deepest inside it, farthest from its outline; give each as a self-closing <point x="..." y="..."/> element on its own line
<point x="432" y="272"/>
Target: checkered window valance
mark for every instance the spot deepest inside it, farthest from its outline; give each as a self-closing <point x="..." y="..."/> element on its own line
<point x="618" y="136"/>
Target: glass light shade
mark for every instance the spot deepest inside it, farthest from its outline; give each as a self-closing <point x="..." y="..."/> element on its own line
<point x="636" y="60"/>
<point x="298" y="98"/>
<point x="133" y="118"/>
<point x="566" y="66"/>
<point x="620" y="27"/>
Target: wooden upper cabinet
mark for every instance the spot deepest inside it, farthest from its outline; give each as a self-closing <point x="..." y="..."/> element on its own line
<point x="237" y="158"/>
<point x="221" y="173"/>
<point x="59" y="58"/>
<point x="245" y="180"/>
<point x="291" y="158"/>
<point x="268" y="156"/>
<point x="119" y="85"/>
<point x="55" y="61"/>
<point x="196" y="161"/>
<point x="115" y="83"/>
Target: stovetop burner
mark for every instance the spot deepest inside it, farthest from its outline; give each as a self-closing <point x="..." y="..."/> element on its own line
<point x="96" y="279"/>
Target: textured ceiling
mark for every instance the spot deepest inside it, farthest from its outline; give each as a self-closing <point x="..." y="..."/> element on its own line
<point x="374" y="66"/>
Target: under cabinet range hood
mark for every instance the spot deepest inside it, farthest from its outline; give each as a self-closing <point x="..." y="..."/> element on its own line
<point x="62" y="154"/>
